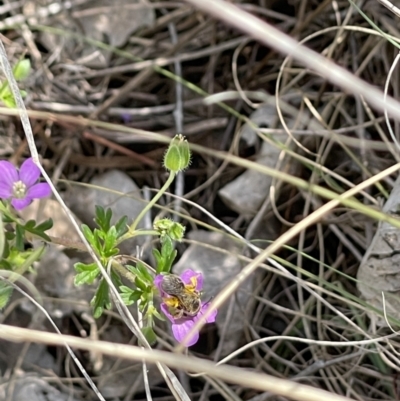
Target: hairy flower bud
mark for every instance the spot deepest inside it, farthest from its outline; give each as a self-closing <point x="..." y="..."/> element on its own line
<point x="177" y="157"/>
<point x="169" y="227"/>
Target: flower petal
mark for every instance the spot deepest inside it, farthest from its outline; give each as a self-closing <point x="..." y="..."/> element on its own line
<point x="29" y="173"/>
<point x="157" y="282"/>
<point x="5" y="190"/>
<point x="8" y="173"/>
<point x="204" y="308"/>
<point x="20" y="204"/>
<point x="164" y="309"/>
<point x="38" y="191"/>
<point x="189" y="274"/>
<point x="181" y="329"/>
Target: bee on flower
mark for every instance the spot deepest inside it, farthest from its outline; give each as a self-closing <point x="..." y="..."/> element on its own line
<point x="182" y="304"/>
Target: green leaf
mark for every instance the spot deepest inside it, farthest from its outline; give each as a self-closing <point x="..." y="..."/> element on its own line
<point x="144" y="273"/>
<point x="110" y="242"/>
<point x="19" y="237"/>
<point x="132" y="269"/>
<point x="92" y="238"/>
<point x="5" y="264"/>
<point x="6" y="219"/>
<point x="40" y="229"/>
<point x="22" y="261"/>
<point x="46" y="225"/>
<point x="30" y="224"/>
<point x="170" y="261"/>
<point x="22" y="69"/>
<point x="99" y="234"/>
<point x="87" y="232"/>
<point x="87" y="273"/>
<point x="129" y="295"/>
<point x="103" y="218"/>
<point x="157" y="314"/>
<point x="149" y="334"/>
<point x="6" y="251"/>
<point x="159" y="259"/>
<point x="5" y="294"/>
<point x="141" y="284"/>
<point x="121" y="226"/>
<point x="101" y="299"/>
<point x="167" y="247"/>
<point x="141" y="273"/>
<point x="166" y="258"/>
<point x="8" y="99"/>
<point x="116" y="279"/>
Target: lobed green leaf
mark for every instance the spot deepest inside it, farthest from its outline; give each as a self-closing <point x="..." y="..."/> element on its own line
<point x="87" y="273"/>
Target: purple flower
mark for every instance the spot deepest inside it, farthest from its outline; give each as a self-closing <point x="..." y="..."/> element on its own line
<point x="21" y="186"/>
<point x="181" y="325"/>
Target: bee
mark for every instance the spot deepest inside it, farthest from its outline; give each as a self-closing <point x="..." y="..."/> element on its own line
<point x="185" y="299"/>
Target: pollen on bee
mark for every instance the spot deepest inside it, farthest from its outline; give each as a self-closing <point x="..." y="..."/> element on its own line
<point x="171" y="302"/>
<point x="192" y="286"/>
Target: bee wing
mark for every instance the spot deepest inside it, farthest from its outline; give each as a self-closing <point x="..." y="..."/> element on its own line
<point x="172" y="284"/>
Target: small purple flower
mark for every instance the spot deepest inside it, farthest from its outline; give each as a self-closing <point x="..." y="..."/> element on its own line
<point x="21" y="186"/>
<point x="181" y="325"/>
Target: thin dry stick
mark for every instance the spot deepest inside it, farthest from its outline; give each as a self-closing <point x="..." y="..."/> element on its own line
<point x="230" y="374"/>
<point x="391" y="7"/>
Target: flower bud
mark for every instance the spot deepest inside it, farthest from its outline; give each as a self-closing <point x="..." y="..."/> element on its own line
<point x="167" y="227"/>
<point x="177" y="157"/>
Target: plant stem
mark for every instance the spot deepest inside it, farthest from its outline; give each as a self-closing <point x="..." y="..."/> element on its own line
<point x="123" y="271"/>
<point x="133" y="226"/>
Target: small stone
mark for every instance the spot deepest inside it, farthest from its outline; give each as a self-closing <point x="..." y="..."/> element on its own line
<point x="119" y="193"/>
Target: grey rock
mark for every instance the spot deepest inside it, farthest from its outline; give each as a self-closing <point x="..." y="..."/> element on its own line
<point x="62" y="226"/>
<point x="380" y="268"/>
<point x="115" y="190"/>
<point x="30" y="388"/>
<point x="246" y="193"/>
<point x="115" y="19"/>
<point x="54" y="279"/>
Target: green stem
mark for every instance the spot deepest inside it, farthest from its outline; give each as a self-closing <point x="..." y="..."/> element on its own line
<point x="123" y="271"/>
<point x="133" y="226"/>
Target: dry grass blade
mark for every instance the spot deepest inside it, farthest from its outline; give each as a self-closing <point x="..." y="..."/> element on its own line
<point x="230" y="374"/>
<point x="390" y="6"/>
